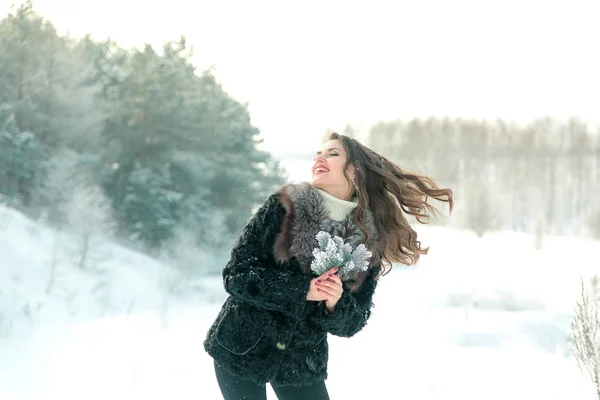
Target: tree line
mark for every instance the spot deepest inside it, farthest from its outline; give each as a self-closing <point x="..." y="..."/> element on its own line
<point x="541" y="177"/>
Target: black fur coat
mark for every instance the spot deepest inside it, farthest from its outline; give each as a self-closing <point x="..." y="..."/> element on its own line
<point x="266" y="330"/>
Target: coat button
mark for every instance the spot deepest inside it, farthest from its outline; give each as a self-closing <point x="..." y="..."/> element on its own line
<point x="281" y="346"/>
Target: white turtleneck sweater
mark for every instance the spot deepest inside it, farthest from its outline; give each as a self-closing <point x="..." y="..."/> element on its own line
<point x="338" y="209"/>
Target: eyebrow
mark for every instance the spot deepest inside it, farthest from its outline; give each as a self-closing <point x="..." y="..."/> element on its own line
<point x="333" y="148"/>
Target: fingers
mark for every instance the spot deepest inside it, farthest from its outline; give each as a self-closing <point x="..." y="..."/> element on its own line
<point x="330" y="272"/>
<point x="323" y="277"/>
<point x="329" y="280"/>
<point x="330" y="294"/>
<point x="314" y="294"/>
<point x="332" y="288"/>
<point x="316" y="284"/>
<point x="328" y="284"/>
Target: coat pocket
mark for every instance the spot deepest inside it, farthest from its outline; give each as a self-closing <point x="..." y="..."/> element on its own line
<point x="309" y="361"/>
<point x="242" y="327"/>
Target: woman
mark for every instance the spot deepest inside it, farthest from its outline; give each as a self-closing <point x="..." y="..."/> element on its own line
<point x="273" y="327"/>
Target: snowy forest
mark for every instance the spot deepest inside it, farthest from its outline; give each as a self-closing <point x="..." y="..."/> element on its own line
<point x="541" y="178"/>
<point x="129" y="143"/>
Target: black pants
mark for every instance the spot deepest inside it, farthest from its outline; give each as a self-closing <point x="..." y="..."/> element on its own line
<point x="234" y="388"/>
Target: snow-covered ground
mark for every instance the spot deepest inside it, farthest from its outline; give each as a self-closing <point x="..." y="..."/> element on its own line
<point x="475" y="319"/>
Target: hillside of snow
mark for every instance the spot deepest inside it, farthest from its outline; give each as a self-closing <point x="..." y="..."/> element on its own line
<point x="42" y="285"/>
<point x="476" y="318"/>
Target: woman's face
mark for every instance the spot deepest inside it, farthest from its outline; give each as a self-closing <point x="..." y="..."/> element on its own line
<point x="328" y="170"/>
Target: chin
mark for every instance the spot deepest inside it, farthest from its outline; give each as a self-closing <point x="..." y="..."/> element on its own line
<point x="317" y="182"/>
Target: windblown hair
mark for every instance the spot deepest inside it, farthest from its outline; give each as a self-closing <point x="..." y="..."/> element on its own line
<point x="390" y="190"/>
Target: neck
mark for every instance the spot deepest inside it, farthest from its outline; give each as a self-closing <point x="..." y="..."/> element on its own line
<point x="341" y="194"/>
<point x="338" y="208"/>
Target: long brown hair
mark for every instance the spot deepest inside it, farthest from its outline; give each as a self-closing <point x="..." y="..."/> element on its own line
<point x="390" y="190"/>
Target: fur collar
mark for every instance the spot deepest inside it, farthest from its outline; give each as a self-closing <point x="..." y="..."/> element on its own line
<point x="307" y="215"/>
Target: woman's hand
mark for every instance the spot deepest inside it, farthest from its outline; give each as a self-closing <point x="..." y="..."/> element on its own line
<point x="327" y="287"/>
<point x="332" y="288"/>
<point x="319" y="291"/>
<point x="313" y="292"/>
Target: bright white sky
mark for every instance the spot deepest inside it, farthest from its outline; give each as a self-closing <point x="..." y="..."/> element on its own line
<point x="322" y="64"/>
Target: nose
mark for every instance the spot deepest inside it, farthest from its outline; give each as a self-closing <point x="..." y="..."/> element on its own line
<point x="319" y="158"/>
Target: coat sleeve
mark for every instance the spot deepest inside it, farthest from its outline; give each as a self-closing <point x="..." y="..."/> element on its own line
<point x="352" y="310"/>
<point x="252" y="275"/>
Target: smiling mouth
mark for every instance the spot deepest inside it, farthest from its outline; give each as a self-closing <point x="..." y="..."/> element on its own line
<point x="321" y="170"/>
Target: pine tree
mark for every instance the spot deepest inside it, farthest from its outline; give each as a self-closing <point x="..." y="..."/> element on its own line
<point x="19" y="158"/>
<point x="49" y="83"/>
<point x="181" y="148"/>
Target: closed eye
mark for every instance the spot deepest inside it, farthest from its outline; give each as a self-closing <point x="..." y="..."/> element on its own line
<point x="332" y="152"/>
<point x="329" y="155"/>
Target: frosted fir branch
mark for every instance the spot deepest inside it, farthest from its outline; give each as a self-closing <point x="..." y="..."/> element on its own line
<point x="585" y="335"/>
<point x="323" y="238"/>
<point x="333" y="252"/>
<point x="360" y="257"/>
